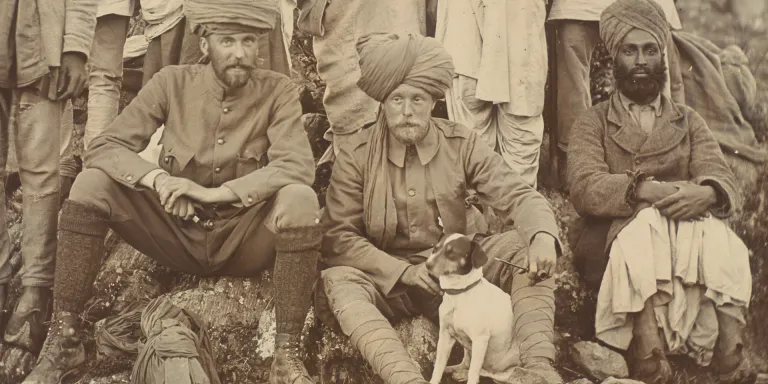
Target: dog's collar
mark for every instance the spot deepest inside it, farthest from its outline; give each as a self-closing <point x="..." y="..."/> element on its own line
<point x="456" y="284"/>
<point x="449" y="291"/>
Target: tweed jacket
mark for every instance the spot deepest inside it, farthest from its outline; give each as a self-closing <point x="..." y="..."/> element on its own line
<point x="462" y="161"/>
<point x="608" y="152"/>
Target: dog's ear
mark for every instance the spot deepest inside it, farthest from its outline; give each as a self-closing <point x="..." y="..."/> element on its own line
<point x="478" y="256"/>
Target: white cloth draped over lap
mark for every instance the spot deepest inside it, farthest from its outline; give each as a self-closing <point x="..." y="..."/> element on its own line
<point x="690" y="269"/>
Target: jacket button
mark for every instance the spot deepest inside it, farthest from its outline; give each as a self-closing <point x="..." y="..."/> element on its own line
<point x="220" y="141"/>
<point x="129" y="177"/>
<point x="167" y="159"/>
<point x="638" y="161"/>
<point x="226" y="110"/>
<point x="217" y="170"/>
<point x="414" y="228"/>
<point x="411" y="193"/>
<point x="250" y="200"/>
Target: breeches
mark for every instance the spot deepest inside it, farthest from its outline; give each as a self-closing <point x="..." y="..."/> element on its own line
<point x="232" y="241"/>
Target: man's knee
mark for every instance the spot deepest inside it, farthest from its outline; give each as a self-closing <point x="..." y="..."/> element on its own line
<point x="296" y="205"/>
<point x="89" y="185"/>
<point x="342" y="284"/>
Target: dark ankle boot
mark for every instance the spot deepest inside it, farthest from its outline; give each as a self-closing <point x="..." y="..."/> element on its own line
<point x="287" y="368"/>
<point x="62" y="354"/>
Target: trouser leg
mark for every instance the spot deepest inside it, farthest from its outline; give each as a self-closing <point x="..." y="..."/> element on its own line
<point x="576" y="41"/>
<point x="363" y="314"/>
<point x="471" y="112"/>
<point x="38" y="148"/>
<point x="67" y="164"/>
<point x="533" y="305"/>
<point x="106" y="74"/>
<point x="519" y="139"/>
<point x="6" y="103"/>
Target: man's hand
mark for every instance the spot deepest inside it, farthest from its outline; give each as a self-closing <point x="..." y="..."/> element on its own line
<point x="72" y="75"/>
<point x="418" y="276"/>
<point x="690" y="202"/>
<point x="651" y="192"/>
<point x="542" y="257"/>
<point x="172" y="188"/>
<point x="183" y="207"/>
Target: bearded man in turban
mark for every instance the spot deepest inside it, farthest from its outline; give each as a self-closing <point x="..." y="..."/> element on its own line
<point x="651" y="181"/>
<point x="401" y="184"/>
<point x="231" y="195"/>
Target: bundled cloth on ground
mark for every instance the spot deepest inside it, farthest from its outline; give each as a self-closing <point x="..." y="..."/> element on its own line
<point x="176" y="348"/>
<point x="718" y="84"/>
<point x="690" y="269"/>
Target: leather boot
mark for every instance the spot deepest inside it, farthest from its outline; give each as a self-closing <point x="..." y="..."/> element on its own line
<point x="62" y="354"/>
<point x="287" y="368"/>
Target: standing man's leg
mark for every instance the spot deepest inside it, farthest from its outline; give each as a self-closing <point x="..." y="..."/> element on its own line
<point x="520" y="139"/>
<point x="6" y="104"/>
<point x="106" y="74"/>
<point x="38" y="157"/>
<point x="576" y="41"/>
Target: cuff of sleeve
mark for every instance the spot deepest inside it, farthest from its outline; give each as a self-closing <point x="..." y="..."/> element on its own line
<point x="75" y="44"/>
<point x="148" y="180"/>
<point x="635" y="177"/>
<point x="558" y="243"/>
<point x="388" y="286"/>
<point x="247" y="195"/>
<point x="723" y="208"/>
<point x="132" y="178"/>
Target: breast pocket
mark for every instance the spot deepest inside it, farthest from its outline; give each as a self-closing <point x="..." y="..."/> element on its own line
<point x="252" y="157"/>
<point x="175" y="157"/>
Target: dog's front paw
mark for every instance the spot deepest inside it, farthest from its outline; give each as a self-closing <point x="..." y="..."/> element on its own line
<point x="459" y="372"/>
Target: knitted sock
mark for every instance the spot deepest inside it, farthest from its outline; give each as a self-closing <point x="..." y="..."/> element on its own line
<point x="381" y="346"/>
<point x="298" y="250"/>
<point x="82" y="230"/>
<point x="534" y="311"/>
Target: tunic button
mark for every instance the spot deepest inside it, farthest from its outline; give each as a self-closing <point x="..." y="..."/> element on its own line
<point x="208" y="224"/>
<point x="414" y="228"/>
<point x="411" y="193"/>
<point x="250" y="200"/>
<point x="217" y="170"/>
<point x="220" y="141"/>
<point x="167" y="159"/>
<point x="226" y="110"/>
<point x="638" y="161"/>
<point x="129" y="177"/>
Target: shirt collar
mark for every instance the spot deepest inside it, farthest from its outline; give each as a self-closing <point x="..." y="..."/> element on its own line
<point x="426" y="148"/>
<point x="655" y="104"/>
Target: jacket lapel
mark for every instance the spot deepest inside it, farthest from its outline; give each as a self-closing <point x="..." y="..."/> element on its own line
<point x="666" y="133"/>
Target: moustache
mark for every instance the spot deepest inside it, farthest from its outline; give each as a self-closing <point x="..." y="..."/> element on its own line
<point x="409" y="123"/>
<point x="239" y="66"/>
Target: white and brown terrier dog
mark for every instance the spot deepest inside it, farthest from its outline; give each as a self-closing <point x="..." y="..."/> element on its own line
<point x="474" y="312"/>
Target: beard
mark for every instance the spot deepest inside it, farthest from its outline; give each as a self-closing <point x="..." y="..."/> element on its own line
<point x="410" y="131"/>
<point x="233" y="73"/>
<point x="641" y="90"/>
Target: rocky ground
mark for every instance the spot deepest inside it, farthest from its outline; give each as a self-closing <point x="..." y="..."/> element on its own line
<point x="240" y="312"/>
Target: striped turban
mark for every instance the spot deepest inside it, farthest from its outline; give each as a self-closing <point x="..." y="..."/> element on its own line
<point x="231" y="16"/>
<point x="623" y="16"/>
<point x="388" y="60"/>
